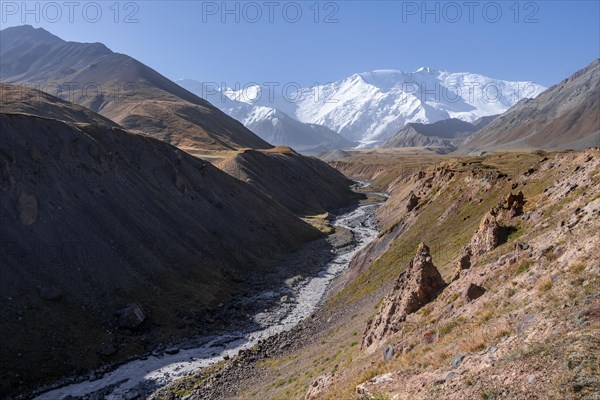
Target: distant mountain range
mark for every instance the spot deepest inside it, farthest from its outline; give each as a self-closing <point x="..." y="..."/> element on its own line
<point x="371" y="107"/>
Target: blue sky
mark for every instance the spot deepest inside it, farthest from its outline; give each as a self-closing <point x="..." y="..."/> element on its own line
<point x="544" y="41"/>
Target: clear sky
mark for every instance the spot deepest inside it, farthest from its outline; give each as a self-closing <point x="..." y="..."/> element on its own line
<point x="309" y="42"/>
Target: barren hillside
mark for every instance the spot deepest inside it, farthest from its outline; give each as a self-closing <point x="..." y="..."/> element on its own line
<point x="305" y="185"/>
<point x="565" y="116"/>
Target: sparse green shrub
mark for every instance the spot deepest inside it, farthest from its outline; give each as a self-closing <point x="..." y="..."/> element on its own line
<point x="381" y="396"/>
<point x="523" y="267"/>
<point x="489" y="395"/>
<point x="447" y="328"/>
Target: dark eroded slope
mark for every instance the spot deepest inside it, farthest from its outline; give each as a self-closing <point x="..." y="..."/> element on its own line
<point x="94" y="218"/>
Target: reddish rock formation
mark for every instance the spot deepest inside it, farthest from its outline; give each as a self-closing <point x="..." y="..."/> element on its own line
<point x="511" y="206"/>
<point x="487" y="236"/>
<point x="492" y="231"/>
<point x="415" y="287"/>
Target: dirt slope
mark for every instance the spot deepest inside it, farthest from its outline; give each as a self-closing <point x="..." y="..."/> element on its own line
<point x="305" y="185"/>
<point x="22" y="100"/>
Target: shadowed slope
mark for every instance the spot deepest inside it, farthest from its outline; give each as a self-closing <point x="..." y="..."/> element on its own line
<point x="94" y="218"/>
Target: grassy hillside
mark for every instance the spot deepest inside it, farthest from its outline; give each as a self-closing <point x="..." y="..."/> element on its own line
<point x="533" y="334"/>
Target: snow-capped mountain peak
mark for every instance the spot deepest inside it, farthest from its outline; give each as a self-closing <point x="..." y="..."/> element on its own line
<point x="370" y="107"/>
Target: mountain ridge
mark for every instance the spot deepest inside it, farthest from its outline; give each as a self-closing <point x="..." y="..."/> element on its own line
<point x="448" y="134"/>
<point x="565" y="116"/>
<point x="120" y="88"/>
<point x="272" y="124"/>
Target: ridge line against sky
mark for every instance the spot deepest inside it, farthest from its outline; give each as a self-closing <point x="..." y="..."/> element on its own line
<point x="320" y="42"/>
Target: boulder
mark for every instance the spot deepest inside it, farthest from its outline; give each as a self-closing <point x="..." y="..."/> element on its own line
<point x="107" y="350"/>
<point x="318" y="386"/>
<point x="49" y="293"/>
<point x="418" y="285"/>
<point x="27" y="206"/>
<point x="388" y="353"/>
<point x="474" y="292"/>
<point x="464" y="262"/>
<point x="458" y="359"/>
<point x="413" y="200"/>
<point x="130" y="317"/>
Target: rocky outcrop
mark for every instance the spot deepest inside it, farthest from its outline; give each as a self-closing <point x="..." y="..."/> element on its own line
<point x="464" y="262"/>
<point x="318" y="387"/>
<point x="415" y="287"/>
<point x="511" y="206"/>
<point x="487" y="236"/>
<point x="365" y="391"/>
<point x="493" y="231"/>
<point x="474" y="292"/>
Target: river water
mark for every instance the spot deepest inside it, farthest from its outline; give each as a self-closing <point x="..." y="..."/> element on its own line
<point x="135" y="377"/>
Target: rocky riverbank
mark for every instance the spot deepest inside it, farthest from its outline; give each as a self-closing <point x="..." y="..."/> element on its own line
<point x="266" y="319"/>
